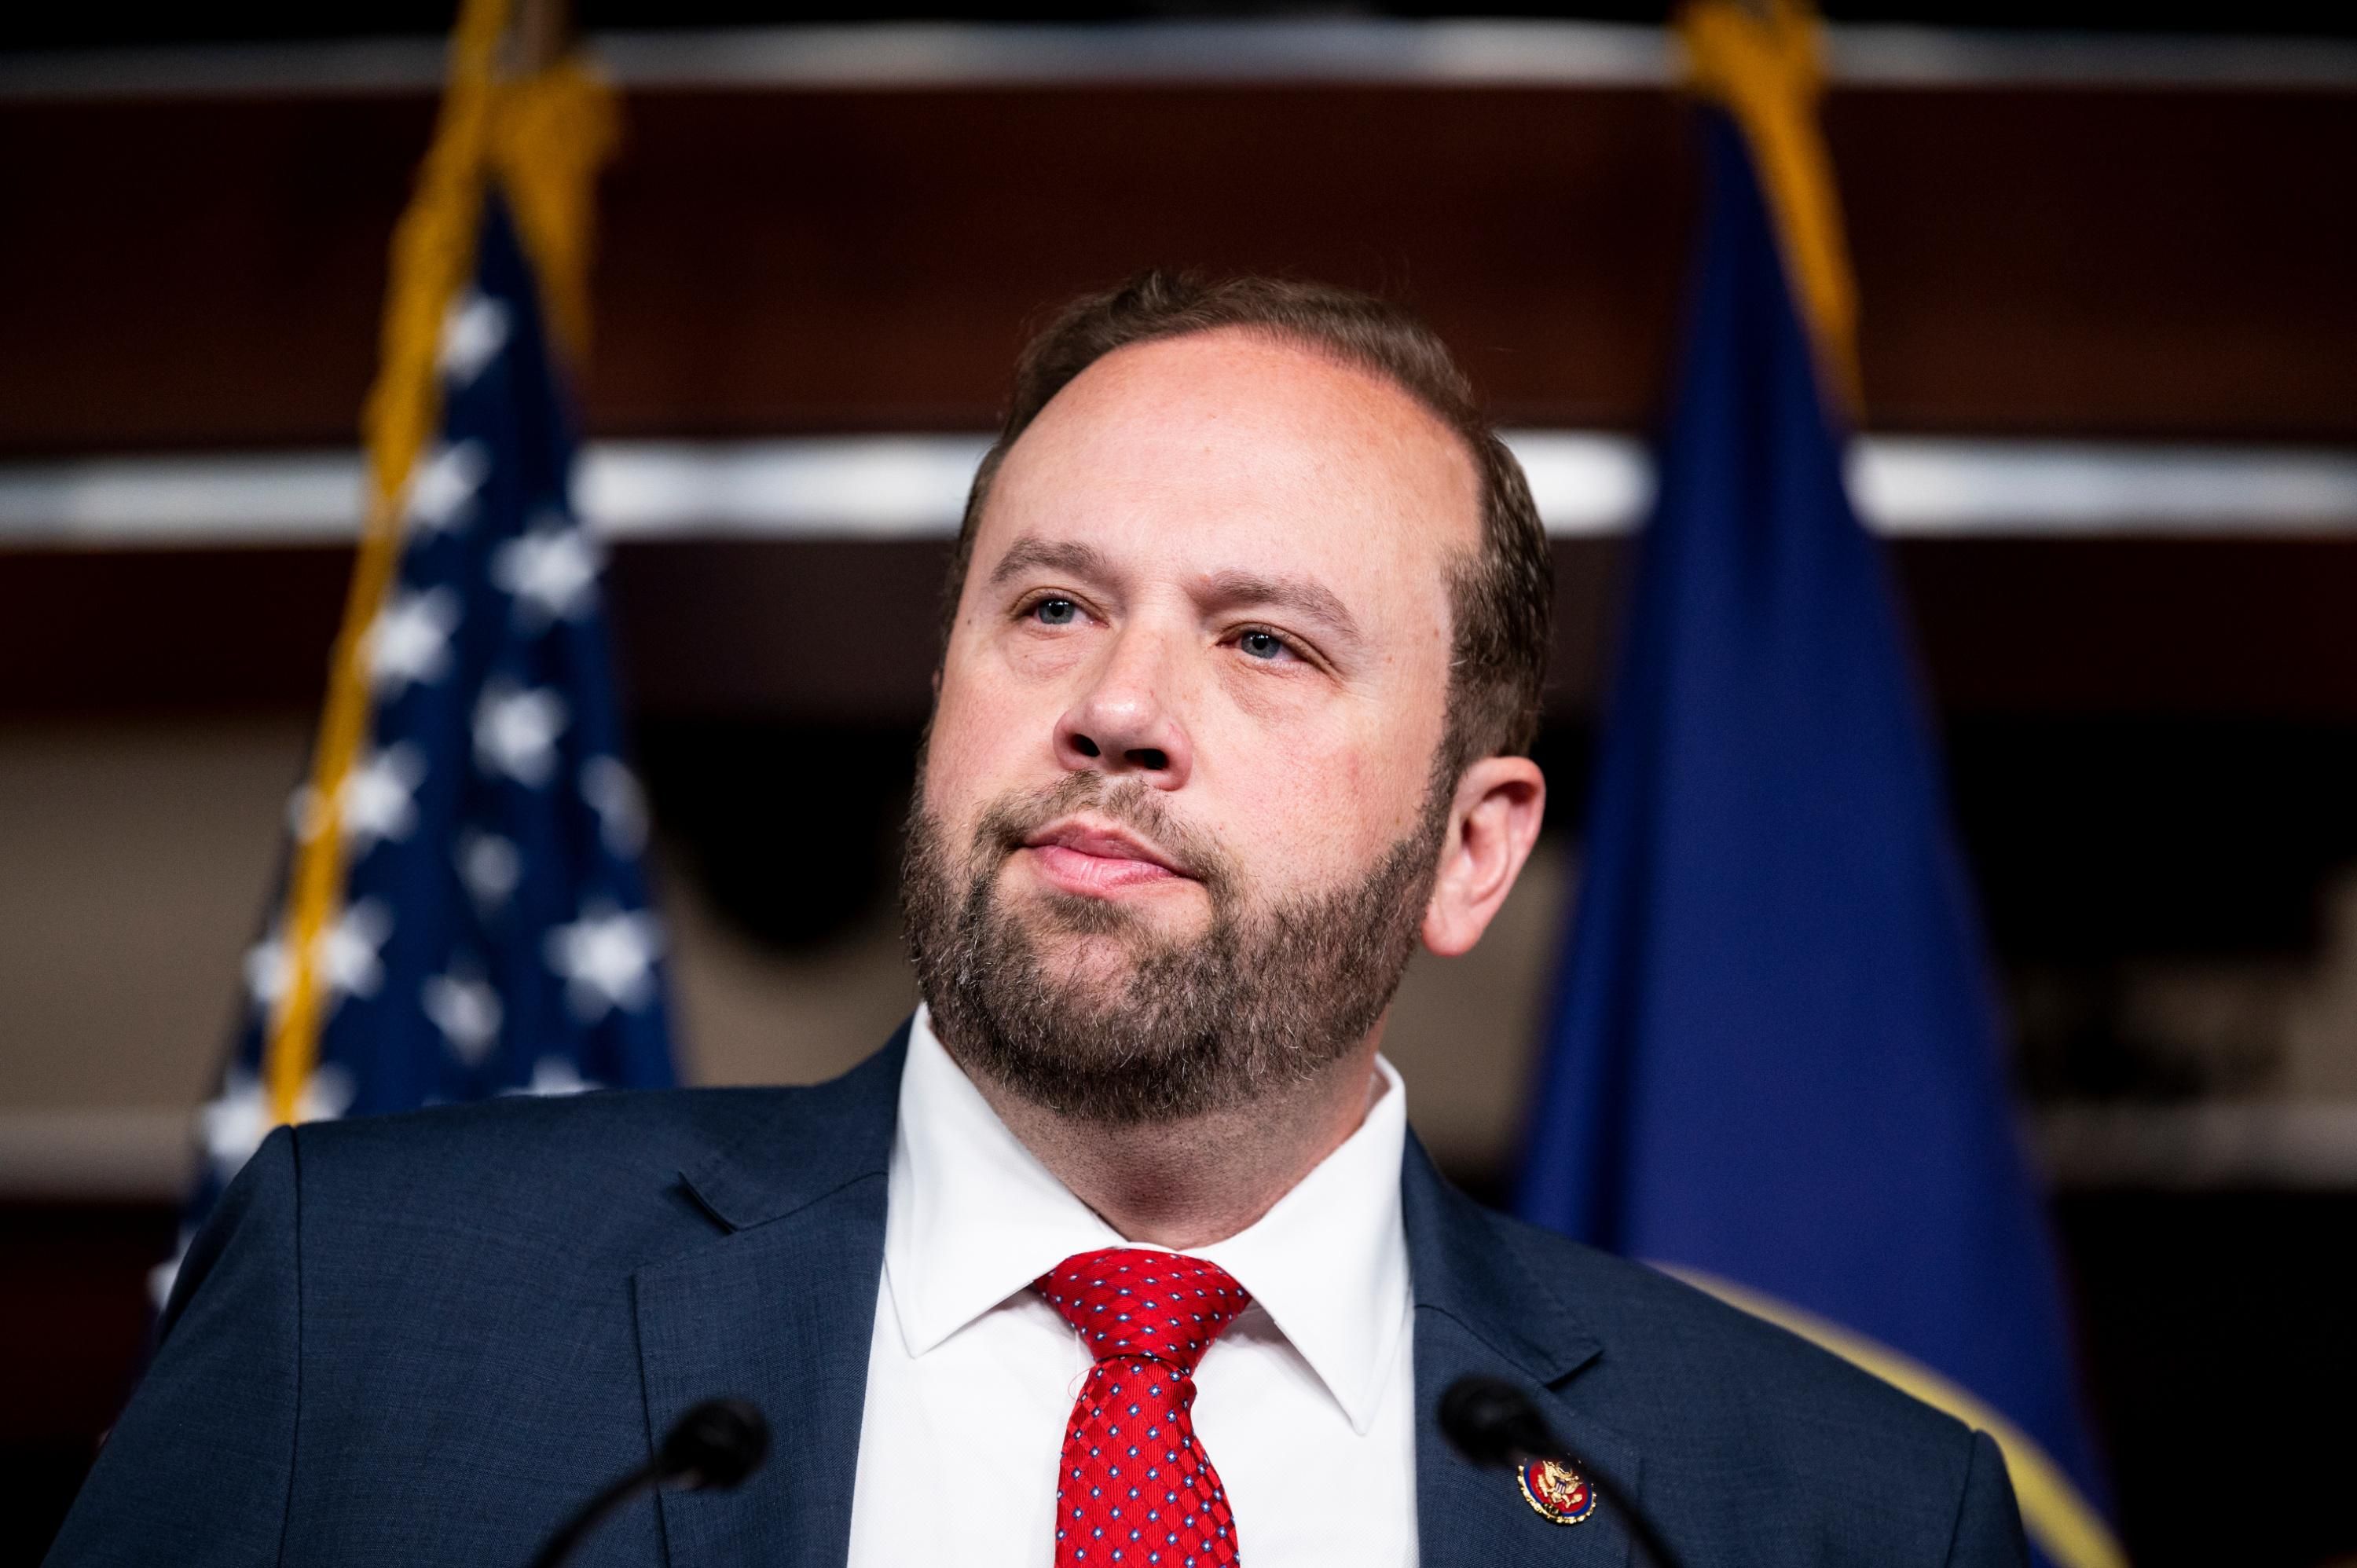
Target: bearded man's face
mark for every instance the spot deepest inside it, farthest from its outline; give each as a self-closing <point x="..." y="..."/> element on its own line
<point x="1264" y="995"/>
<point x="1181" y="813"/>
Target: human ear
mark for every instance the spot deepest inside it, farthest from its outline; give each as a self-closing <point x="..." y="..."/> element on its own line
<point x="1492" y="824"/>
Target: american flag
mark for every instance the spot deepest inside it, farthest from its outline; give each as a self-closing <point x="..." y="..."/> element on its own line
<point x="492" y="934"/>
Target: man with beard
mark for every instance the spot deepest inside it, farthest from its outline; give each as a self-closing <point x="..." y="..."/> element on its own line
<point x="1120" y="1252"/>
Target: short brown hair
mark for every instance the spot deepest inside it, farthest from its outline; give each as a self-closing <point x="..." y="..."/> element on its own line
<point x="1500" y="598"/>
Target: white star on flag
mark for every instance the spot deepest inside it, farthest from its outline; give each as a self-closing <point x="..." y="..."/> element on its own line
<point x="303" y="812"/>
<point x="490" y="867"/>
<point x="516" y="731"/>
<point x="409" y="641"/>
<point x="375" y="803"/>
<point x="554" y="1075"/>
<point x="621" y="806"/>
<point x="269" y="970"/>
<point x="466" y="1010"/>
<point x="163" y="1277"/>
<point x="552" y="571"/>
<point x="606" y="958"/>
<point x="348" y="957"/>
<point x="344" y="956"/>
<point x="233" y="1125"/>
<point x="441" y="492"/>
<point x="475" y="329"/>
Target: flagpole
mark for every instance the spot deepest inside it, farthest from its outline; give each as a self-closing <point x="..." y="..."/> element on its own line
<point x="542" y="35"/>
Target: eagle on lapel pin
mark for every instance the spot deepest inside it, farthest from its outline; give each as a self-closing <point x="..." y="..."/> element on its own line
<point x="1557" y="1493"/>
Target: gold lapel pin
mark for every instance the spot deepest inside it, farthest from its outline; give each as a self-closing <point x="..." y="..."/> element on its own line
<point x="1556" y="1493"/>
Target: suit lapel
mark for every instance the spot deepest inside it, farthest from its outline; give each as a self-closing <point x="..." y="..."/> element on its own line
<point x="1477" y="1310"/>
<point x="777" y="1307"/>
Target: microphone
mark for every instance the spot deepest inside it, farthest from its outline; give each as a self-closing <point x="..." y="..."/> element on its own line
<point x="1494" y="1425"/>
<point x="712" y="1447"/>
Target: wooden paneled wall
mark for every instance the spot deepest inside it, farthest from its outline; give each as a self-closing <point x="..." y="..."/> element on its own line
<point x="2145" y="262"/>
<point x="204" y="273"/>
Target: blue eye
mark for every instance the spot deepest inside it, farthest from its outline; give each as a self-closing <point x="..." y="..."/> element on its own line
<point x="1056" y="612"/>
<point x="1262" y="644"/>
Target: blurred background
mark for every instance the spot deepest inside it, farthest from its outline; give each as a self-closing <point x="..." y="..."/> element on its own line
<point x="2108" y="340"/>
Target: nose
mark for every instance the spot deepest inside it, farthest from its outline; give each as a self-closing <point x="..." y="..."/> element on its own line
<point x="1121" y="724"/>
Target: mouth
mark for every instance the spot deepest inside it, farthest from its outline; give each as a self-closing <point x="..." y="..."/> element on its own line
<point x="1098" y="859"/>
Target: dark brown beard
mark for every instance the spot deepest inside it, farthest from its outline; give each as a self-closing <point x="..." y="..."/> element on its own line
<point x="1260" y="1001"/>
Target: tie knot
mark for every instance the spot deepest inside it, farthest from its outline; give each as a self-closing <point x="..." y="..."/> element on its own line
<point x="1126" y="1301"/>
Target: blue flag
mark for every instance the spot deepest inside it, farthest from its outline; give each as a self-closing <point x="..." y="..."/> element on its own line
<point x="493" y="934"/>
<point x="1775" y="1060"/>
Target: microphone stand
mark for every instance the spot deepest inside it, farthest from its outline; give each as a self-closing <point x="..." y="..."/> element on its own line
<point x="712" y="1447"/>
<point x="593" y="1513"/>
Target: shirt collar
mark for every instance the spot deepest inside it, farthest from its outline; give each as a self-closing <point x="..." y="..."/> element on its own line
<point x="974" y="1218"/>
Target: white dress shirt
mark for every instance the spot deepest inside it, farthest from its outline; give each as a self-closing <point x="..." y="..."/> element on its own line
<point x="1306" y="1405"/>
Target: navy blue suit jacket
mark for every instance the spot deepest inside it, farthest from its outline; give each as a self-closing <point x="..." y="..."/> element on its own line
<point x="423" y="1339"/>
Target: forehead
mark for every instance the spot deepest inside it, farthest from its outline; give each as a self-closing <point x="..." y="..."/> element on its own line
<point x="1230" y="448"/>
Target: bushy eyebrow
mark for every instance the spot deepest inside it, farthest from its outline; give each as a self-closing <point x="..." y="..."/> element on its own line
<point x="1029" y="554"/>
<point x="1303" y="596"/>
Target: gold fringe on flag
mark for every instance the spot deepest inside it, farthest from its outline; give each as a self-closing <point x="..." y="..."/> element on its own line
<point x="543" y="136"/>
<point x="2065" y="1526"/>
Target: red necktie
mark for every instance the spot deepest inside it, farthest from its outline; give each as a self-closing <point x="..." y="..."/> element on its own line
<point x="1136" y="1490"/>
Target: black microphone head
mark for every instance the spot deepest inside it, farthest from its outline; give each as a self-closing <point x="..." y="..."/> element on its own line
<point x="1492" y="1422"/>
<point x="716" y="1443"/>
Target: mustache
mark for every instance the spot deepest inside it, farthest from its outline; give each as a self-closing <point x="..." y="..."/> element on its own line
<point x="1016" y="816"/>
